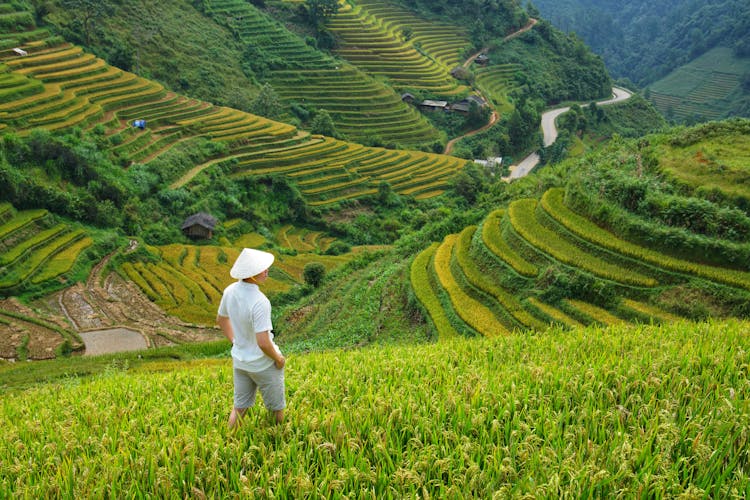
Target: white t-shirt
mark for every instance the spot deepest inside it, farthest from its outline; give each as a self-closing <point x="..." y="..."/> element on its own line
<point x="249" y="312"/>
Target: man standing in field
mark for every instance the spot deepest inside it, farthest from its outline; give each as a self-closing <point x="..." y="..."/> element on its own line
<point x="245" y="318"/>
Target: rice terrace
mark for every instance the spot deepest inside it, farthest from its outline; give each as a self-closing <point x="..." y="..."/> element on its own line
<point x="456" y="322"/>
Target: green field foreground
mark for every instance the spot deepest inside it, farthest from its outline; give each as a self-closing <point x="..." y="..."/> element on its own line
<point x="626" y="411"/>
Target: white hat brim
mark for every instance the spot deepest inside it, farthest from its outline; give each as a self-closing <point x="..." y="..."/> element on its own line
<point x="250" y="263"/>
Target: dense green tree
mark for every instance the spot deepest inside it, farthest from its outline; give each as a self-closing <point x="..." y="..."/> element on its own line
<point x="319" y="11"/>
<point x="644" y="40"/>
<point x="313" y="273"/>
<point x="267" y="103"/>
<point x="322" y="124"/>
<point x="85" y="14"/>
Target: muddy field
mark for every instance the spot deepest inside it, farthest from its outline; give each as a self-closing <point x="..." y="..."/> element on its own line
<point x="105" y="303"/>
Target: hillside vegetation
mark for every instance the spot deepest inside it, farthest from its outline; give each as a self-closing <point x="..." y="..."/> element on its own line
<point x="693" y="55"/>
<point x="650" y="240"/>
<point x="71" y="147"/>
<point x="714" y="85"/>
<point x="644" y="40"/>
<point x="655" y="410"/>
<point x="448" y="334"/>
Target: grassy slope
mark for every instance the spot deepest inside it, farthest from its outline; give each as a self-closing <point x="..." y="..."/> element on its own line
<point x="173" y="43"/>
<point x="661" y="411"/>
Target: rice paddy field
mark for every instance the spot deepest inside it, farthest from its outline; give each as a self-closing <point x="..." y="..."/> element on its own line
<point x="624" y="411"/>
<point x="704" y="88"/>
<point x="188" y="280"/>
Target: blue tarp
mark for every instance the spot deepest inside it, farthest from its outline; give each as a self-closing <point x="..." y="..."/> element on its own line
<point x="141" y="124"/>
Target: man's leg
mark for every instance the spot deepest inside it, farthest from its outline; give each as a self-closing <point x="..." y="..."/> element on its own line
<point x="244" y="396"/>
<point x="271" y="385"/>
<point x="235" y="417"/>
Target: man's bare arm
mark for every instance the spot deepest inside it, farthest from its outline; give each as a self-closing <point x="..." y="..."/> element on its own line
<point x="264" y="342"/>
<point x="226" y="327"/>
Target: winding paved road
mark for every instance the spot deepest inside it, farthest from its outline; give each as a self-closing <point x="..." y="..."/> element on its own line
<point x="550" y="132"/>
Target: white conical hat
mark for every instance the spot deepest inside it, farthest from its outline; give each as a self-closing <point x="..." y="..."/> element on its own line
<point x="251" y="262"/>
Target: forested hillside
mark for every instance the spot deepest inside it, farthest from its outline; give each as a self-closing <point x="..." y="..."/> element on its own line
<point x="644" y="40"/>
<point x="697" y="51"/>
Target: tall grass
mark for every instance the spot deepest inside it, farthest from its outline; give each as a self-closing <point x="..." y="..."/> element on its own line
<point x="625" y="411"/>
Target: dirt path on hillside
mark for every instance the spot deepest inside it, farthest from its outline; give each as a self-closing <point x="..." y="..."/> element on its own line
<point x="494" y="116"/>
<point x="449" y="146"/>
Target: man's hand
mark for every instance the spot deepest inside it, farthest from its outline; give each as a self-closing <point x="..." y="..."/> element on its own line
<point x="280" y="362"/>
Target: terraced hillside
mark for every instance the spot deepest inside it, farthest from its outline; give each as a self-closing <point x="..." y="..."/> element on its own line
<point x="498" y="80"/>
<point x="375" y="42"/>
<point x="438" y="41"/>
<point x="642" y="250"/>
<point x="58" y="86"/>
<point x="187" y="281"/>
<point x="35" y="248"/>
<point x="26" y="336"/>
<point x="705" y="89"/>
<point x="360" y="106"/>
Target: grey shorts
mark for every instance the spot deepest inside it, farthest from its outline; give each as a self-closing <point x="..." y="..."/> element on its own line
<point x="270" y="382"/>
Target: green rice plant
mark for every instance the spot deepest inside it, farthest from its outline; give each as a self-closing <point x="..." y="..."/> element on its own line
<point x="379" y="52"/>
<point x="424" y="292"/>
<point x="27" y="245"/>
<point x="21" y="219"/>
<point x="483" y="282"/>
<point x="146" y="92"/>
<point x="556" y="315"/>
<point x="162" y="292"/>
<point x="472" y="312"/>
<point x="553" y="204"/>
<point x="363" y="183"/>
<point x="250" y="240"/>
<point x="294" y="265"/>
<point x="595" y="313"/>
<point x="592" y="412"/>
<point x="15" y="108"/>
<point x="76" y="106"/>
<point x="522" y="217"/>
<point x="24" y="88"/>
<point x="649" y="311"/>
<point x="46" y="105"/>
<point x="106" y="73"/>
<point x="62" y="262"/>
<point x="60" y="53"/>
<point x="131" y="273"/>
<point x="38" y="258"/>
<point x="88" y="70"/>
<point x="83" y="66"/>
<point x="494" y="241"/>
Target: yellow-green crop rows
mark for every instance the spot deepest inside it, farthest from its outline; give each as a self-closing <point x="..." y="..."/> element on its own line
<point x="553" y="204"/>
<point x="473" y="312"/>
<point x="62" y="86"/>
<point x="439" y="41"/>
<point x="589" y="413"/>
<point x="367" y="44"/>
<point x="420" y="281"/>
<point x="188" y="280"/>
<point x="309" y="78"/>
<point x="498" y="81"/>
<point x="543" y="263"/>
<point x="33" y="249"/>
